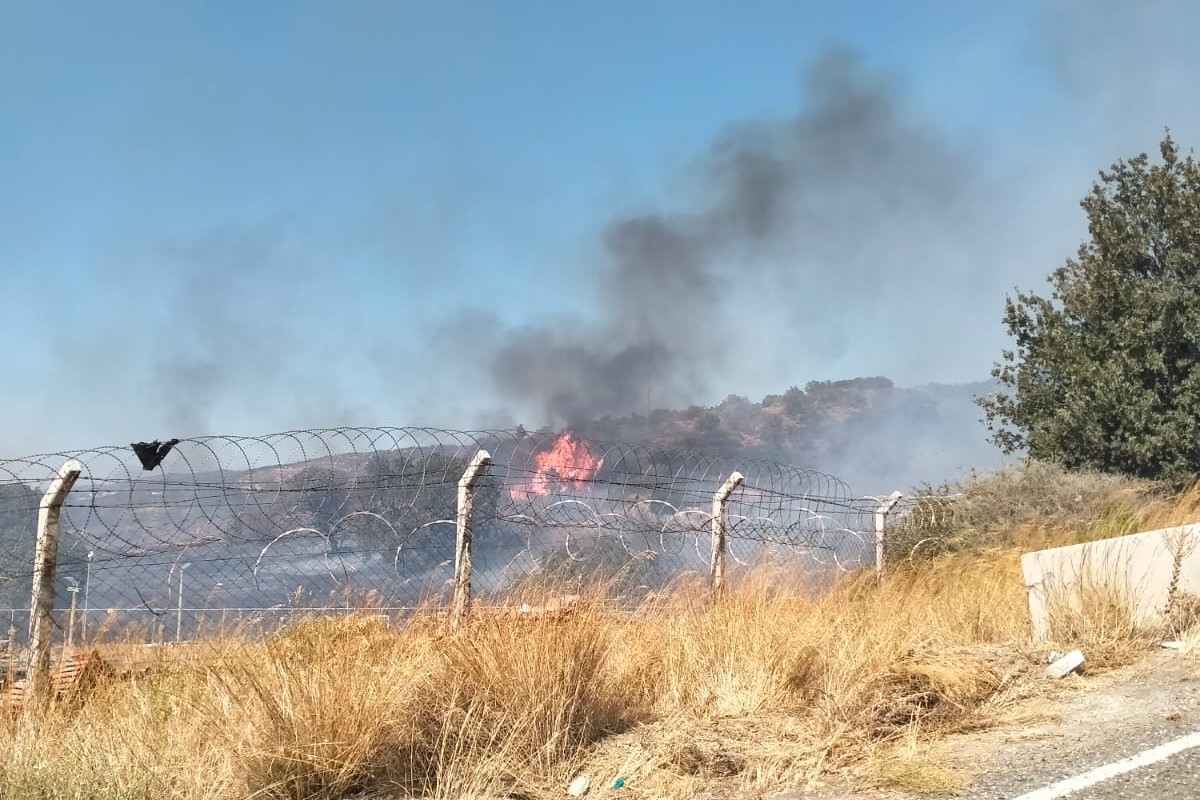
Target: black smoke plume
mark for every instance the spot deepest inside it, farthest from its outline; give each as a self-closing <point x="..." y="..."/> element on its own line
<point x="789" y="234"/>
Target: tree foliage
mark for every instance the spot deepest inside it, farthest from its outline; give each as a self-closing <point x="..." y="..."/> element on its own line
<point x="1105" y="373"/>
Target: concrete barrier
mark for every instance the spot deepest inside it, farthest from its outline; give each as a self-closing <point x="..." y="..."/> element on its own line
<point x="1142" y="567"/>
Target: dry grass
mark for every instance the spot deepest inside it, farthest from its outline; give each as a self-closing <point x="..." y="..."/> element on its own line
<point x="770" y="687"/>
<point x="1029" y="505"/>
<point x="1099" y="619"/>
<point x="910" y="766"/>
<point x="333" y="707"/>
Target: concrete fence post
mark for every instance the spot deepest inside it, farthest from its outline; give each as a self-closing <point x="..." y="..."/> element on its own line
<point x="45" y="565"/>
<point x="461" y="603"/>
<point x="717" y="560"/>
<point x="881" y="515"/>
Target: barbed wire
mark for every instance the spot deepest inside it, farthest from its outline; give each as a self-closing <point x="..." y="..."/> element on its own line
<point x="368" y="514"/>
<point x="922" y="526"/>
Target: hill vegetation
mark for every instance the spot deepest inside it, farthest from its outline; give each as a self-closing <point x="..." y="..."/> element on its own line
<point x="1105" y="372"/>
<point x="866" y="431"/>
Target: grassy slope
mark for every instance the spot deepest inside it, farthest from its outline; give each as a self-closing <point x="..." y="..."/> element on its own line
<point x="771" y="687"/>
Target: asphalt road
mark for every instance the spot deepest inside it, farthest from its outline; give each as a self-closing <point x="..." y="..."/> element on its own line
<point x="1098" y="725"/>
<point x="1175" y="778"/>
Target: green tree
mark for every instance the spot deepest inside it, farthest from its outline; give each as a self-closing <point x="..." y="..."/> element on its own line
<point x="1105" y="373"/>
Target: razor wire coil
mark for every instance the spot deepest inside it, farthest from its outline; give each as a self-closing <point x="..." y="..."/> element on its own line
<point x="256" y="522"/>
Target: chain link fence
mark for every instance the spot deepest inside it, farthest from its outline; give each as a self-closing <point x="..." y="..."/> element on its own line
<point x="191" y="540"/>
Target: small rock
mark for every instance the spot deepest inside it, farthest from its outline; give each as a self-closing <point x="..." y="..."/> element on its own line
<point x="579" y="786"/>
<point x="1065" y="665"/>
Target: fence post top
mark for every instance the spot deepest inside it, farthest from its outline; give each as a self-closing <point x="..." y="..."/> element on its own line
<point x="732" y="482"/>
<point x="480" y="460"/>
<point x="889" y="502"/>
<point x="64" y="481"/>
<point x="70" y="466"/>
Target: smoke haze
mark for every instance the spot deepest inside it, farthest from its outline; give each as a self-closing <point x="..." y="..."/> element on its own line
<point x="794" y="232"/>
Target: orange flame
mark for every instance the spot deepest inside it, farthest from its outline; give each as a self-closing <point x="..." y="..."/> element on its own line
<point x="569" y="463"/>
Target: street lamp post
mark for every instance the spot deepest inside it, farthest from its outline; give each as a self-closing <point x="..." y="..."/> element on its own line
<point x="179" y="607"/>
<point x="218" y="586"/>
<point x="74" y="590"/>
<point x="87" y="585"/>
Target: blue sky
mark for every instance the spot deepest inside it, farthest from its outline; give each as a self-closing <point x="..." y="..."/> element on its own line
<point x="231" y="217"/>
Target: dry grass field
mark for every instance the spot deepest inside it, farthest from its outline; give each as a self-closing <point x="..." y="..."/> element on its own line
<point x="773" y="686"/>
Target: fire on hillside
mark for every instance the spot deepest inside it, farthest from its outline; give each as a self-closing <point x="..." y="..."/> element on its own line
<point x="570" y="463"/>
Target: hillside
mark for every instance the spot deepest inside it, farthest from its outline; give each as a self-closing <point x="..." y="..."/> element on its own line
<point x="869" y="432"/>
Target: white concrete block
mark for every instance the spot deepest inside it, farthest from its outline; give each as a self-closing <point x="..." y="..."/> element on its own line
<point x="1138" y="568"/>
<point x="1065" y="665"/>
